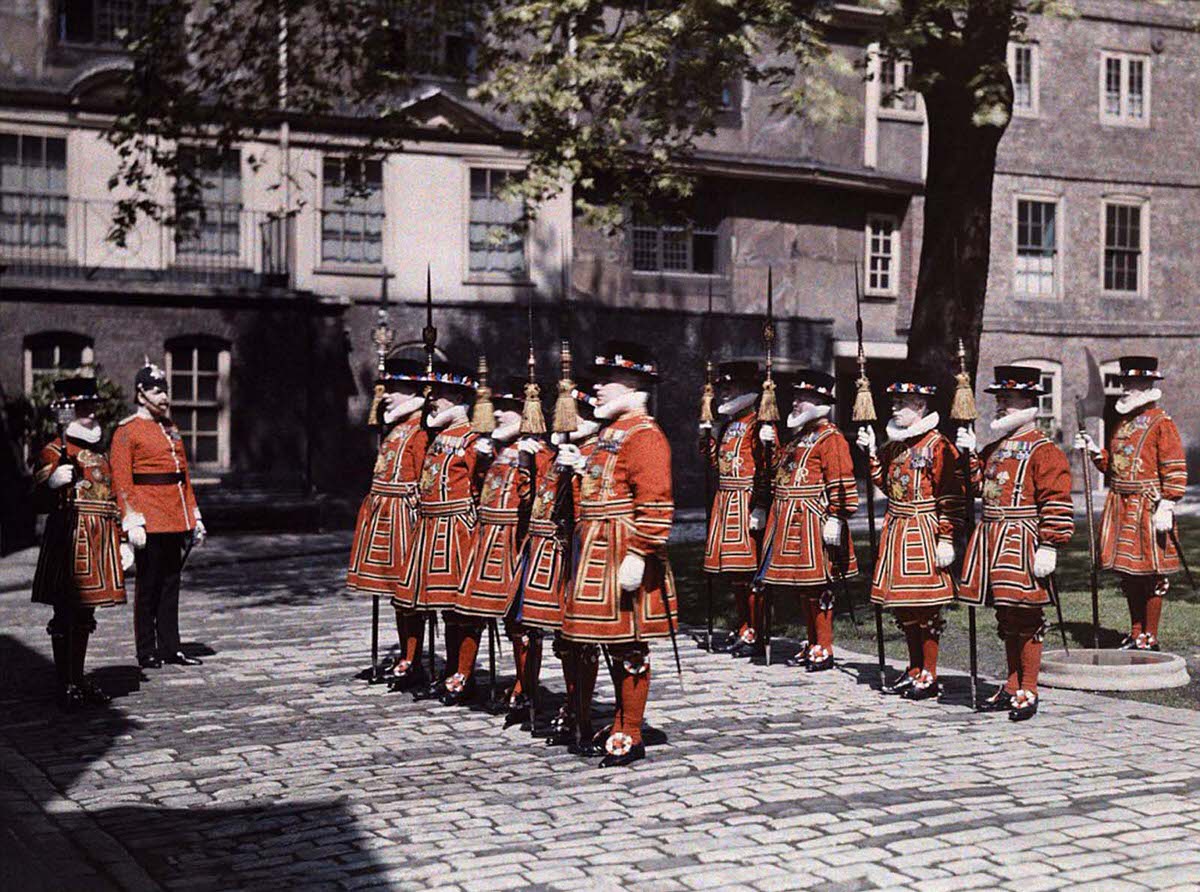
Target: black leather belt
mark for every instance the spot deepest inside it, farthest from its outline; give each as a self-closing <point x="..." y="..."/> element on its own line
<point x="158" y="479"/>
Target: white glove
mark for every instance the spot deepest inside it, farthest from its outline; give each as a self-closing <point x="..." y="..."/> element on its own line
<point x="866" y="439"/>
<point x="1045" y="559"/>
<point x="126" y="557"/>
<point x="199" y="534"/>
<point x="484" y="446"/>
<point x="137" y="536"/>
<point x="629" y="576"/>
<point x="529" y="446"/>
<point x="832" y="532"/>
<point x="966" y="439"/>
<point x="766" y="434"/>
<point x="705" y="428"/>
<point x="570" y="458"/>
<point x="944" y="555"/>
<point x="758" y="519"/>
<point x="61" y="476"/>
<point x="1083" y="440"/>
<point x="1164" y="516"/>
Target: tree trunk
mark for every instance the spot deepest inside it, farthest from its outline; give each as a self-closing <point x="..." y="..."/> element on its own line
<point x="963" y="140"/>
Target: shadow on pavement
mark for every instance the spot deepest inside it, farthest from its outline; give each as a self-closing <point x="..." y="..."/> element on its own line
<point x="43" y="845"/>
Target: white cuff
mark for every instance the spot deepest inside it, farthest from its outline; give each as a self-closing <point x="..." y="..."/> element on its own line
<point x="133" y="519"/>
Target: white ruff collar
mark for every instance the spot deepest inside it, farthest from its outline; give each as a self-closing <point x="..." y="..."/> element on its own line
<point x="797" y="420"/>
<point x="585" y="429"/>
<point x="1013" y="420"/>
<point x="402" y="409"/>
<point x="1136" y="400"/>
<point x="86" y="433"/>
<point x="918" y="428"/>
<point x="447" y="417"/>
<point x="734" y="407"/>
<point x="633" y="401"/>
<point x="506" y="433"/>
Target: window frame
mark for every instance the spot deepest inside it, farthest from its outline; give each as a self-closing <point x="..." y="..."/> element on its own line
<point x="351" y="266"/>
<point x="185" y="256"/>
<point x="692" y="230"/>
<point x="222" y="402"/>
<point x="1143" y="206"/>
<point x="470" y="276"/>
<point x="1054" y="369"/>
<point x="57" y="339"/>
<point x="1059" y="243"/>
<point x="1034" y="108"/>
<point x="1122" y="117"/>
<point x="879" y="101"/>
<point x="893" y="289"/>
<point x="43" y="249"/>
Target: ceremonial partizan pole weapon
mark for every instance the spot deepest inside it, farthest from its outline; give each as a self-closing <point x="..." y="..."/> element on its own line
<point x="962" y="410"/>
<point x="429" y="337"/>
<point x="862" y="414"/>
<point x="1093" y="564"/>
<point x="533" y="424"/>
<point x="382" y="337"/>
<point x="707" y="418"/>
<point x="768" y="413"/>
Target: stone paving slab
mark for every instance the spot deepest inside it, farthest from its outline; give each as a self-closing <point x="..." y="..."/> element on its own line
<point x="269" y="767"/>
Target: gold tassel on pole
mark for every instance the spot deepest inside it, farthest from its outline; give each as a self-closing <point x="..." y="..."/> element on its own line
<point x="864" y="405"/>
<point x="483" y="414"/>
<point x="768" y="408"/>
<point x="962" y="407"/>
<point x="707" y="396"/>
<point x="566" y="413"/>
<point x="533" y="421"/>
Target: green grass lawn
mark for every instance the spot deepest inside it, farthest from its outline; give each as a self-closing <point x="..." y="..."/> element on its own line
<point x="1179" y="634"/>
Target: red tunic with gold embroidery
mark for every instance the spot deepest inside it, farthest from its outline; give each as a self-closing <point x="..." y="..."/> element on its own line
<point x="447" y="515"/>
<point x="487" y="588"/>
<point x="80" y="560"/>
<point x="1144" y="462"/>
<point x="541" y="581"/>
<point x="150" y="475"/>
<point x="924" y="486"/>
<point x="743" y="483"/>
<point x="625" y="507"/>
<point x="388" y="513"/>
<point x="814" y="480"/>
<point x="1025" y="483"/>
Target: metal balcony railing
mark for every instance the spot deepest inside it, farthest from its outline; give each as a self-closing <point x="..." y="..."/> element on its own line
<point x="54" y="237"/>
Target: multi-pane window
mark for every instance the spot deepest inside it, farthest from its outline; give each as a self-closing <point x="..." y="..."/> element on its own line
<point x="100" y="22"/>
<point x="883" y="252"/>
<point x="199" y="374"/>
<point x="431" y="37"/>
<point x="895" y="91"/>
<point x="352" y="210"/>
<point x="1037" y="248"/>
<point x="690" y="248"/>
<point x="215" y="230"/>
<point x="1124" y="234"/>
<point x="496" y="232"/>
<point x="1124" y="89"/>
<point x="1022" y="67"/>
<point x="51" y="355"/>
<point x="33" y="191"/>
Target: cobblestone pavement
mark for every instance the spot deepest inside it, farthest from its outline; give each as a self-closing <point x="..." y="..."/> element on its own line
<point x="269" y="767"/>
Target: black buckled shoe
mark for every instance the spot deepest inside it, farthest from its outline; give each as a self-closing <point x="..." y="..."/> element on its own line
<point x="70" y="698"/>
<point x="516" y="711"/>
<point x="748" y="649"/>
<point x="459" y="696"/>
<point x="819" y="665"/>
<point x="1128" y="643"/>
<point x="411" y="679"/>
<point x="1024" y="706"/>
<point x="922" y="690"/>
<point x="634" y="753"/>
<point x="900" y="686"/>
<point x="998" y="702"/>
<point x="433" y="691"/>
<point x="92" y="694"/>
<point x="800" y="659"/>
<point x="150" y="661"/>
<point x="179" y="658"/>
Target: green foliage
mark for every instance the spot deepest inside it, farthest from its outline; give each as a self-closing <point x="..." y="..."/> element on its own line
<point x="34" y="422"/>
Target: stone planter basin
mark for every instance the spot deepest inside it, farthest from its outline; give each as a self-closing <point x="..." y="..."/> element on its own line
<point x="1112" y="670"/>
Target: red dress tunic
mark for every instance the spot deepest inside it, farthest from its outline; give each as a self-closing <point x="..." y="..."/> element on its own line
<point x="487" y="588"/>
<point x="388" y="514"/>
<point x="546" y="564"/>
<point x="79" y="563"/>
<point x="1026" y="488"/>
<point x="740" y="461"/>
<point x="150" y="475"/>
<point x="625" y="506"/>
<point x="447" y="513"/>
<point x="1144" y="463"/>
<point x="814" y="480"/>
<point x="924" y="486"/>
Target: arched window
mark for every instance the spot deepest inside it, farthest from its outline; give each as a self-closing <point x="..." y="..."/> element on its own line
<point x="197" y="368"/>
<point x="1049" y="417"/>
<point x="48" y="354"/>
